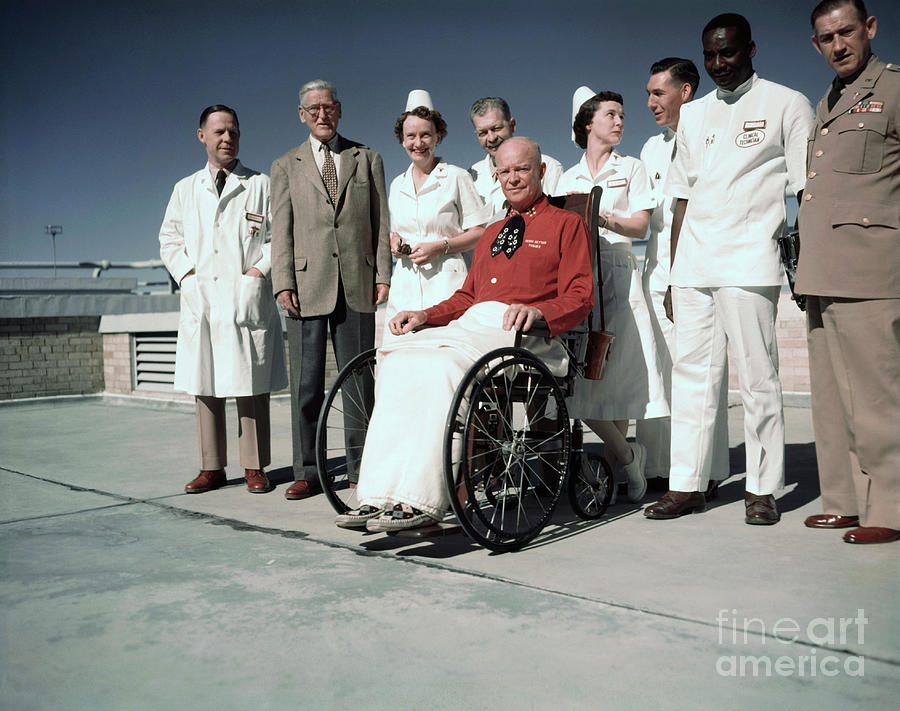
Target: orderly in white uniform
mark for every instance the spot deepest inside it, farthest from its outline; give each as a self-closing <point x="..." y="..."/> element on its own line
<point x="740" y="149"/>
<point x="214" y="241"/>
<point x="436" y="214"/>
<point x="632" y="386"/>
<point x="673" y="82"/>
<point x="494" y="124"/>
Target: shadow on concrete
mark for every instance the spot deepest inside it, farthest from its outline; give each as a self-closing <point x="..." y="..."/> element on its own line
<point x="800" y="472"/>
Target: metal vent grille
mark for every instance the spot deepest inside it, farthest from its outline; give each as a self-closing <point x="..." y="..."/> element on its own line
<point x="153" y="361"/>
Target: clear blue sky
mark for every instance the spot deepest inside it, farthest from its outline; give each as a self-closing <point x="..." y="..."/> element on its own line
<point x="101" y="99"/>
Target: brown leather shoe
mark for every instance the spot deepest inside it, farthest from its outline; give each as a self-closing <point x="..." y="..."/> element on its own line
<point x="302" y="490"/>
<point x="206" y="481"/>
<point x="676" y="503"/>
<point x="760" y="509"/>
<point x="872" y="534"/>
<point x="831" y="521"/>
<point x="257" y="481"/>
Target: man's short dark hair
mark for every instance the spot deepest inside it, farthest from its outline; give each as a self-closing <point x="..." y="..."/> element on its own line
<point x="683" y="71"/>
<point x="482" y="106"/>
<point x="730" y="19"/>
<point x="218" y="107"/>
<point x="586" y="114"/>
<point x="827" y="6"/>
<point x="440" y="126"/>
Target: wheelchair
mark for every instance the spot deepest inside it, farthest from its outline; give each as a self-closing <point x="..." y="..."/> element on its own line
<point x="510" y="450"/>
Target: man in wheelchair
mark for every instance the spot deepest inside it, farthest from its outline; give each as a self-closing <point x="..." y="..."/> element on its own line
<point x="535" y="265"/>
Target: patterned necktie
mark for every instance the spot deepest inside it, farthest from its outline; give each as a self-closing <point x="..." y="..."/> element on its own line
<point x="220" y="181"/>
<point x="510" y="237"/>
<point x="329" y="174"/>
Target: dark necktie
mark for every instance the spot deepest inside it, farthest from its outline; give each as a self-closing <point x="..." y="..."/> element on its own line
<point x="329" y="174"/>
<point x="837" y="88"/>
<point x="510" y="237"/>
<point x="220" y="181"/>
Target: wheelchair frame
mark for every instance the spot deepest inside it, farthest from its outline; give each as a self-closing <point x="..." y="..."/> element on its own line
<point x="509" y="446"/>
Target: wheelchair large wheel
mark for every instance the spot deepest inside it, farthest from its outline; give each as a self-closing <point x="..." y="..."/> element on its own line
<point x="590" y="486"/>
<point x="506" y="449"/>
<point x="341" y="430"/>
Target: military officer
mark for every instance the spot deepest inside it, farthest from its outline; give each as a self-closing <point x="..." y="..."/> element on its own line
<point x="850" y="270"/>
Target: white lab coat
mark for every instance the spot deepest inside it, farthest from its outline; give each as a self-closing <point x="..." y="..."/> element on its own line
<point x="230" y="341"/>
<point x="446" y="205"/>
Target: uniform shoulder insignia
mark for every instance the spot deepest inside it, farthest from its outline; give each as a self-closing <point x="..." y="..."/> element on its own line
<point x="892" y="67"/>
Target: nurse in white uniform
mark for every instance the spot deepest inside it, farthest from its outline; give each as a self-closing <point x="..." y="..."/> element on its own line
<point x="436" y="215"/>
<point x="633" y="385"/>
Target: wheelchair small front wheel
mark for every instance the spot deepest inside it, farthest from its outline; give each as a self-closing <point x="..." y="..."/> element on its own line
<point x="590" y="486"/>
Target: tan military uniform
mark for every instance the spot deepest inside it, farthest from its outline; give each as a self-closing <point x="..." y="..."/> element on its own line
<point x="850" y="268"/>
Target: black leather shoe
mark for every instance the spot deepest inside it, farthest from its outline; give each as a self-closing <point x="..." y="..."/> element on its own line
<point x="676" y="503"/>
<point x="760" y="509"/>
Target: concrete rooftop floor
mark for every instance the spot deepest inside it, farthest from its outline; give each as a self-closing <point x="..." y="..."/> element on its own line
<point x="118" y="591"/>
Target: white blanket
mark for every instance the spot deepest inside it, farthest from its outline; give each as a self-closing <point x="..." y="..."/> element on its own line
<point x="417" y="376"/>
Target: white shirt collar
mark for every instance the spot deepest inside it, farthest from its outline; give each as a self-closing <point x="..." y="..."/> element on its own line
<point x="725" y="94"/>
<point x="316" y="144"/>
<point x="213" y="171"/>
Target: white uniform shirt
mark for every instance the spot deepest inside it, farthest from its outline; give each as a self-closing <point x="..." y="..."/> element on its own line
<point x="488" y="186"/>
<point x="446" y="204"/>
<point x="656" y="155"/>
<point x="738" y="154"/>
<point x="626" y="188"/>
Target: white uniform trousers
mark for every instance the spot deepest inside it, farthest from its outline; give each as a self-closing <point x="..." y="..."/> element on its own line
<point x="656" y="434"/>
<point x="706" y="321"/>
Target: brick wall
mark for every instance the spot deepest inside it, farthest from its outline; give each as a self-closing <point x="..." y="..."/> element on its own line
<point x="117" y="362"/>
<point x="50" y="356"/>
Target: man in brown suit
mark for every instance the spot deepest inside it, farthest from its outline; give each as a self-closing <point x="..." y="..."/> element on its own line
<point x="850" y="269"/>
<point x="331" y="261"/>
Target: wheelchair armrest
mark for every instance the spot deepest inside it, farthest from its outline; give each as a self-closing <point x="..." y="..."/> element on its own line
<point x="539" y="329"/>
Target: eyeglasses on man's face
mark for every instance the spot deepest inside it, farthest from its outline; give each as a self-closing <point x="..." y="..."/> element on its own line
<point x="316" y="109"/>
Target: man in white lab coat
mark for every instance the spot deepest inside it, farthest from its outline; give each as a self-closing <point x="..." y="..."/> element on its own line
<point x="214" y="241"/>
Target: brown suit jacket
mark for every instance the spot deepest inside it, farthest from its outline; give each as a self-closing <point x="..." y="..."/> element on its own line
<point x="313" y="242"/>
<point x="850" y="212"/>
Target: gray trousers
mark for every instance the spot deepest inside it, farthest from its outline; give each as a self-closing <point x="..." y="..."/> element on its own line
<point x="351" y="333"/>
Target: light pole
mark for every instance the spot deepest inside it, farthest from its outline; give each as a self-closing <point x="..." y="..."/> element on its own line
<point x="53" y="230"/>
